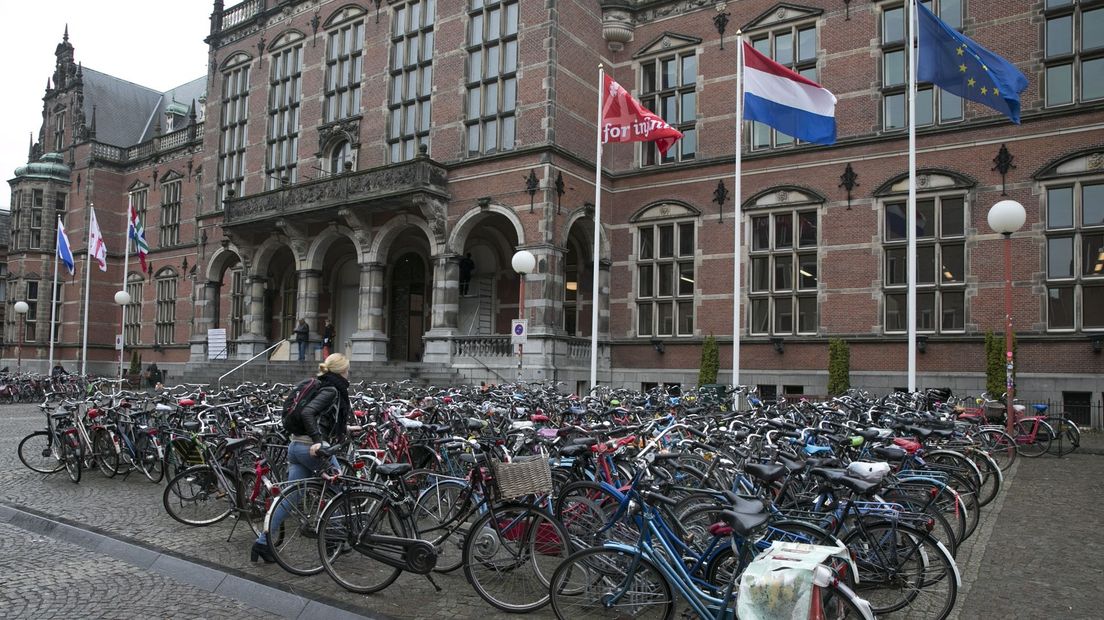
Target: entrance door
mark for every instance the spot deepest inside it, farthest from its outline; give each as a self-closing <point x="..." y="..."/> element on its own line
<point x="406" y="323"/>
<point x="346" y="305"/>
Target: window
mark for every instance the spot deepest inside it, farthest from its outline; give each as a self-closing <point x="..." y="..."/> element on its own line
<point x="60" y="202"/>
<point x="166" y="307"/>
<point x="665" y="279"/>
<point x="794" y="47"/>
<point x="170" y="213"/>
<point x="669" y="87"/>
<point x="13" y="221"/>
<point x="59" y="131"/>
<point x="132" y="322"/>
<point x="3" y="282"/>
<point x="237" y="304"/>
<point x="284" y="92"/>
<point x="344" y="69"/>
<point x="784" y="273"/>
<point x="233" y="133"/>
<point x="58" y="305"/>
<point x="1075" y="256"/>
<point x="340" y="153"/>
<point x="137" y="201"/>
<point x="940" y="265"/>
<point x="491" y="78"/>
<point x="1074" y="52"/>
<point x="411" y="78"/>
<point x="36" y="220"/>
<point x="934" y="106"/>
<point x="30" y="331"/>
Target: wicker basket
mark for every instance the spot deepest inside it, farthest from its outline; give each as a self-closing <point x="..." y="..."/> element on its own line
<point x="526" y="475"/>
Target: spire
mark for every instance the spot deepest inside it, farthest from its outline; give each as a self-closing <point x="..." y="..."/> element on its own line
<point x="65" y="37"/>
<point x="80" y="69"/>
<point x="192" y="113"/>
<point x="92" y="131"/>
<point x="30" y="147"/>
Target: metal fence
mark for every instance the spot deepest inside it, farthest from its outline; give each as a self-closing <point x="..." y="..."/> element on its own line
<point x="1086" y="415"/>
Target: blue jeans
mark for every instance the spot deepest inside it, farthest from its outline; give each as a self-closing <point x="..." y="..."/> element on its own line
<point x="300" y="465"/>
<point x="302" y="350"/>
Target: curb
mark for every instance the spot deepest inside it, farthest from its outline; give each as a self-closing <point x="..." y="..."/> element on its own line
<point x="280" y="599"/>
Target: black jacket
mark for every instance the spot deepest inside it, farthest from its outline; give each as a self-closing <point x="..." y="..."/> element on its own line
<point x="302" y="332"/>
<point x="326" y="416"/>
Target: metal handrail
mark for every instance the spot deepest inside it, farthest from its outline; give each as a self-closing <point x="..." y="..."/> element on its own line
<point x="236" y="368"/>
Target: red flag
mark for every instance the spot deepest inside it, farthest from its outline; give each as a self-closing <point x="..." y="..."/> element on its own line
<point x="625" y="120"/>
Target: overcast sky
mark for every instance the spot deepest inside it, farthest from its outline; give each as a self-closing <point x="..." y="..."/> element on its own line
<point x="155" y="43"/>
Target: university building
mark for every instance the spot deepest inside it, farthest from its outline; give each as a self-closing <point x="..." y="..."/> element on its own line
<point x="339" y="158"/>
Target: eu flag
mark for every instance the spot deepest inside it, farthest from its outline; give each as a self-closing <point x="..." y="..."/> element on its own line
<point x="953" y="62"/>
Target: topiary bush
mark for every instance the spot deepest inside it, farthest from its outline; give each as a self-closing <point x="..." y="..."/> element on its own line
<point x="710" y="361"/>
<point x="839" y="366"/>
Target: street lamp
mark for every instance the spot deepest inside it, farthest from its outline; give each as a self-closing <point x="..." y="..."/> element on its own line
<point x="122" y="298"/>
<point x="21" y="309"/>
<point x="523" y="263"/>
<point x="1006" y="217"/>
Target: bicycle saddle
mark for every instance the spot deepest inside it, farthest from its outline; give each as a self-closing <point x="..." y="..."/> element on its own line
<point x="743" y="523"/>
<point x="394" y="470"/>
<point x="767" y="472"/>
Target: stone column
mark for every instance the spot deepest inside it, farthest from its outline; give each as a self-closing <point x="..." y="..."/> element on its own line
<point x="253" y="341"/>
<point x="306" y="299"/>
<point x="445" y="310"/>
<point x="369" y="341"/>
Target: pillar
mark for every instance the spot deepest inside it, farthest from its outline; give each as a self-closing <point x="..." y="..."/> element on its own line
<point x="205" y="311"/>
<point x="253" y="341"/>
<point x="369" y="341"/>
<point x="306" y="299"/>
<point x="445" y="309"/>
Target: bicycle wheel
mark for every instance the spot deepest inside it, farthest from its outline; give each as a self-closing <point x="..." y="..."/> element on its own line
<point x="103" y="449"/>
<point x="902" y="568"/>
<point x="36" y="453"/>
<point x="196" y="496"/>
<point x="1033" y="447"/>
<point x="72" y="454"/>
<point x="937" y="501"/>
<point x="610" y="583"/>
<point x="997" y="444"/>
<point x="510" y="555"/>
<point x="439" y="513"/>
<point x="837" y="601"/>
<point x="586" y="509"/>
<point x="295" y="542"/>
<point x="148" y="454"/>
<point x="1067" y="437"/>
<point x="992" y="478"/>
<point x="344" y="545"/>
<point x="253" y="501"/>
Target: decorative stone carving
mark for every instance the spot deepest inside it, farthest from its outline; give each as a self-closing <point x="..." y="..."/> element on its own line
<point x="783" y="196"/>
<point x="1095" y="161"/>
<point x="617" y="28"/>
<point x="348" y="129"/>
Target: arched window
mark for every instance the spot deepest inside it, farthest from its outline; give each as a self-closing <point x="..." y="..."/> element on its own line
<point x="132" y="322"/>
<point x="339" y="154"/>
<point x="665" y="269"/>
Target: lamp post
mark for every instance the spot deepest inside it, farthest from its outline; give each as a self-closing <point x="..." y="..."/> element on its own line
<point x="523" y="263"/>
<point x="122" y="298"/>
<point x="21" y="309"/>
<point x="1006" y="217"/>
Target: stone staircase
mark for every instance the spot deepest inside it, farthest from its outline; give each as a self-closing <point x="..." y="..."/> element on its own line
<point x="207" y="373"/>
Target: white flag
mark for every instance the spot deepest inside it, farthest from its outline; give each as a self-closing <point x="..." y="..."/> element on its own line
<point x="96" y="247"/>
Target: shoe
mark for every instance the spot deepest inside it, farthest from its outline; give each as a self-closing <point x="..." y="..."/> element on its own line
<point x="260" y="551"/>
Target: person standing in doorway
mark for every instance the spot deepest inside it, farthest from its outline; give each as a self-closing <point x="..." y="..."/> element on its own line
<point x="302" y="333"/>
<point x="327" y="338"/>
<point x="467" y="267"/>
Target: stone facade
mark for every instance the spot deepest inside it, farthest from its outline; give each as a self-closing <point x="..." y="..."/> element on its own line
<point x="365" y="226"/>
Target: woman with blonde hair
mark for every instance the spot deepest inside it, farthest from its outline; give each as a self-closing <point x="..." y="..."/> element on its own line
<point x="323" y="419"/>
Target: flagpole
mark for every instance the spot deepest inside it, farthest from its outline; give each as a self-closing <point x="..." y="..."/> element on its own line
<point x="53" y="294"/>
<point x="122" y="309"/>
<point x="910" y="223"/>
<point x="738" y="217"/>
<point x="87" y="285"/>
<point x="597" y="234"/>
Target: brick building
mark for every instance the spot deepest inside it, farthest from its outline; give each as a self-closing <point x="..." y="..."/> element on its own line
<point x="353" y="152"/>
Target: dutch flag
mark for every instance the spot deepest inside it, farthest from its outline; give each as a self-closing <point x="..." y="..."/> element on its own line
<point x="786" y="101"/>
<point x="64" y="250"/>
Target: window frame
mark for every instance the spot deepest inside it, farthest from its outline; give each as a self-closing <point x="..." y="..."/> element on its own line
<point x="410" y="117"/>
<point x="169" y="224"/>
<point x="132" y="319"/>
<point x="939" y="287"/>
<point x="233" y="132"/>
<point x="797" y="64"/>
<point x="1077" y="232"/>
<point x="165" y="323"/>
<point x="283" y="120"/>
<point x="505" y="113"/>
<point x="794" y="252"/>
<point x="940" y="99"/>
<point x="651" y="100"/>
<point x="1076" y="57"/>
<point x="675" y="298"/>
<point x="342" y="94"/>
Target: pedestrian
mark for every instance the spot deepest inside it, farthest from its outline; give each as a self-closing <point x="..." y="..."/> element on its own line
<point x="153" y="375"/>
<point x="327" y="338"/>
<point x="467" y="266"/>
<point x="322" y="421"/>
<point x="302" y="333"/>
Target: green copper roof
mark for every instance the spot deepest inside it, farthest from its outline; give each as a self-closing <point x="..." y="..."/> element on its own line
<point x="49" y="166"/>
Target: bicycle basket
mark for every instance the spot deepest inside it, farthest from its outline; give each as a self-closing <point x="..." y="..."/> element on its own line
<point x="524" y="476"/>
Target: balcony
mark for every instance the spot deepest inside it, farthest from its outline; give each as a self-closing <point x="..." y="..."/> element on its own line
<point x="383" y="188"/>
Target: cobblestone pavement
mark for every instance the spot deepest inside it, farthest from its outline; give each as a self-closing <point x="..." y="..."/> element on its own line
<point x="46" y="578"/>
<point x="1035" y="555"/>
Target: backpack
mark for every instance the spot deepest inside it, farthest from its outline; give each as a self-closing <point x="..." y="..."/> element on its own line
<point x="298" y="398"/>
